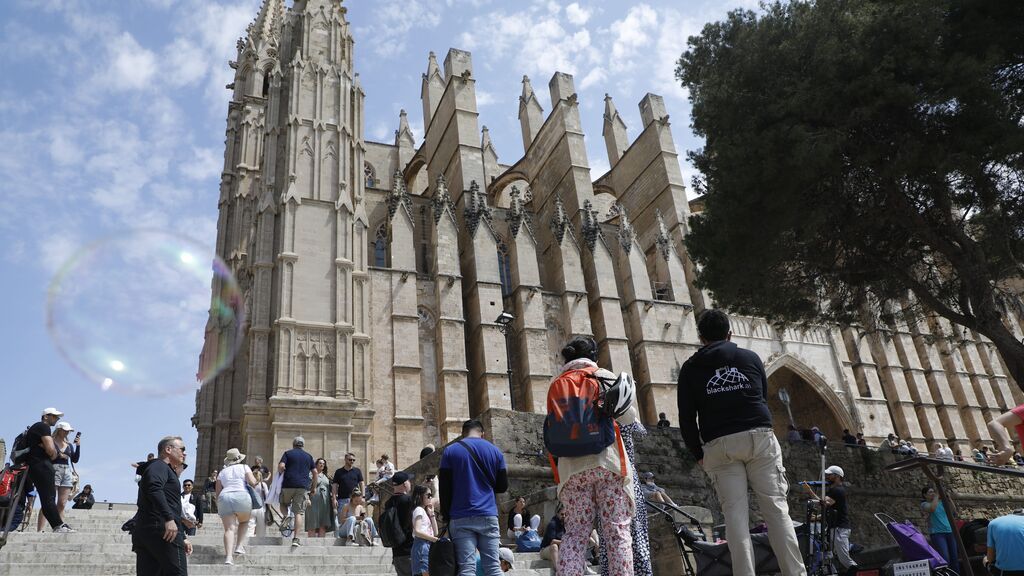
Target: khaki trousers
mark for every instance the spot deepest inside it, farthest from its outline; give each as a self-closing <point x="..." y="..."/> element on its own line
<point x="753" y="458"/>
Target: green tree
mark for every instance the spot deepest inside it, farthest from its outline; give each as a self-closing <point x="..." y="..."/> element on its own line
<point x="861" y="153"/>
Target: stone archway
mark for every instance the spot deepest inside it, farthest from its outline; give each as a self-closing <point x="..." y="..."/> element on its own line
<point x="812" y="401"/>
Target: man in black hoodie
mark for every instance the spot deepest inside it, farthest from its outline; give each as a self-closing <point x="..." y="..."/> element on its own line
<point x="725" y="421"/>
<point x="158" y="539"/>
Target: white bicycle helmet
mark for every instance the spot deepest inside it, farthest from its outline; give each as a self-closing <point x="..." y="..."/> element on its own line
<point x="619" y="396"/>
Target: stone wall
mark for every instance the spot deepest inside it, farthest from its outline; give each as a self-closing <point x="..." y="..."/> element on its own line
<point x="662" y="451"/>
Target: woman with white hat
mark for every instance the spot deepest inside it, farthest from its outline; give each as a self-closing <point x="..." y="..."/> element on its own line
<point x="63" y="467"/>
<point x="234" y="505"/>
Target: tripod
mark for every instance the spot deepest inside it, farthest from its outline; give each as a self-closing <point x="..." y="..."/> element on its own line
<point x="819" y="557"/>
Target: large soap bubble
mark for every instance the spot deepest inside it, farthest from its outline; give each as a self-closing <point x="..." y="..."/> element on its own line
<point x="133" y="313"/>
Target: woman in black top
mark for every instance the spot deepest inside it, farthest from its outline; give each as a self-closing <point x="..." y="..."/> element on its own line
<point x="63" y="467"/>
<point x="519" y="508"/>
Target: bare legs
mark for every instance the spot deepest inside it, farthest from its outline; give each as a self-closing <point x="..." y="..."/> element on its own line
<point x="236" y="535"/>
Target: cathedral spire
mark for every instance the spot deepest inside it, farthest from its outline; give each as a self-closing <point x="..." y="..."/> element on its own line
<point x="267" y="22"/>
<point x="441" y="203"/>
<point x="476" y="209"/>
<point x="399" y="197"/>
<point x="531" y="115"/>
<point x="614" y="132"/>
<point x="626" y="233"/>
<point x="431" y="90"/>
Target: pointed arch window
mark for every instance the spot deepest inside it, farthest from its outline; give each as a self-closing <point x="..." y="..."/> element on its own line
<point x="505" y="269"/>
<point x="380" y="247"/>
<point x="370" y="174"/>
<point x="266" y="84"/>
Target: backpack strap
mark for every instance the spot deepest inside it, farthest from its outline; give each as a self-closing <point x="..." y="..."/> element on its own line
<point x="476" y="460"/>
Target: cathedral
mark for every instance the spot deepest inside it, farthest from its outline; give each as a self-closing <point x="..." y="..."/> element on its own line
<point x="394" y="290"/>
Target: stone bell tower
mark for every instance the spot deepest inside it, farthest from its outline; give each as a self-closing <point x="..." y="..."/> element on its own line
<point x="293" y="228"/>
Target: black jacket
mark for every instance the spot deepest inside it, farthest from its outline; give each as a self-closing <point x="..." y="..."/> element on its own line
<point x="159" y="496"/>
<point x="724" y="387"/>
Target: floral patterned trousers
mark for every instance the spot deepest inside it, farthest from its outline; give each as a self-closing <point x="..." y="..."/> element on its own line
<point x="596" y="491"/>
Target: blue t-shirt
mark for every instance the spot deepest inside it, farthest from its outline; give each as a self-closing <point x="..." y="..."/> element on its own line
<point x="937" y="521"/>
<point x="473" y="491"/>
<point x="297" y="466"/>
<point x="1006" y="535"/>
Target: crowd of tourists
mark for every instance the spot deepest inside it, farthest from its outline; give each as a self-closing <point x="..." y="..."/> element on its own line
<point x="452" y="519"/>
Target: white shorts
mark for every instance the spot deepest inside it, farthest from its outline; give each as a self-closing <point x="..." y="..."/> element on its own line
<point x="234" y="503"/>
<point x="62" y="476"/>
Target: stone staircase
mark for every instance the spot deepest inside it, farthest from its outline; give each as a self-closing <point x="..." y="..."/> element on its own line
<point x="100" y="548"/>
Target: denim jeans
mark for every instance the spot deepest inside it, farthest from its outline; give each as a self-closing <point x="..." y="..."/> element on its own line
<point x="945" y="544"/>
<point x="472" y="534"/>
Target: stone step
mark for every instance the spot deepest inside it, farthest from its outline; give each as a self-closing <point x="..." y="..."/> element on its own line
<point x="216" y="556"/>
<point x="197" y="570"/>
<point x="100" y="548"/>
<point x="199" y="545"/>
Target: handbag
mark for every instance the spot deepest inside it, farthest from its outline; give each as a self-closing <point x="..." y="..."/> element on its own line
<point x="74" y="477"/>
<point x="441" y="558"/>
<point x="257" y="502"/>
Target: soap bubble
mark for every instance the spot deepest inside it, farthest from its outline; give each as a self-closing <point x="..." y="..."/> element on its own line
<point x="133" y="313"/>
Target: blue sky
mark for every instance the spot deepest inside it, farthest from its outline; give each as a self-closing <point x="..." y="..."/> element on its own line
<point x="112" y="119"/>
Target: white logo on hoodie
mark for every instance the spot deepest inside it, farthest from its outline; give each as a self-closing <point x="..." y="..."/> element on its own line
<point x="727" y="379"/>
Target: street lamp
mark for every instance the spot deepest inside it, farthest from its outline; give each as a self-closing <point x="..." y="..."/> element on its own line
<point x="504" y="322"/>
<point x="784" y="398"/>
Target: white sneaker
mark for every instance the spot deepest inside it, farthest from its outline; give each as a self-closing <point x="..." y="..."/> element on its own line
<point x="240" y="551"/>
<point x="64" y="529"/>
<point x="229" y="562"/>
<point x="295" y="543"/>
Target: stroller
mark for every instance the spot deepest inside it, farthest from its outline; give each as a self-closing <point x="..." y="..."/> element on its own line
<point x="914" y="546"/>
<point x="12" y="487"/>
<point x="712" y="558"/>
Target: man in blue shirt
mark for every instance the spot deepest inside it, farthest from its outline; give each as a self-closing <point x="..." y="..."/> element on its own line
<point x="296" y="465"/>
<point x="1006" y="544"/>
<point x="472" y="471"/>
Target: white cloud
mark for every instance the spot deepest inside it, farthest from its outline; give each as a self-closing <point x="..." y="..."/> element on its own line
<point x="186" y="62"/>
<point x="132" y="67"/>
<point x="534" y="39"/>
<point x="577" y="14"/>
<point x="484" y="98"/>
<point x="55" y="249"/>
<point x="633" y="32"/>
<point x="64" y="150"/>
<point x="380" y="131"/>
<point x="671" y="43"/>
<point x="393" y="23"/>
<point x="205" y="164"/>
<point x="593" y="77"/>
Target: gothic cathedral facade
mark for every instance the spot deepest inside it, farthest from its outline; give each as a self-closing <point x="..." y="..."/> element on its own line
<point x="374" y="273"/>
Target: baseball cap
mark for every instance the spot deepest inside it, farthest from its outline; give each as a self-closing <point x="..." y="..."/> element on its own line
<point x="51" y="411"/>
<point x="400" y="478"/>
<point x="65" y="426"/>
<point x="298" y="441"/>
<point x="835" y="470"/>
<point x="506" y="555"/>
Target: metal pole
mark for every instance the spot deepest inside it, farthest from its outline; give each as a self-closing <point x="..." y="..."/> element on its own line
<point x="508" y="364"/>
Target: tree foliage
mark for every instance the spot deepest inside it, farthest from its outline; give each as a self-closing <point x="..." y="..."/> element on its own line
<point x="858" y="151"/>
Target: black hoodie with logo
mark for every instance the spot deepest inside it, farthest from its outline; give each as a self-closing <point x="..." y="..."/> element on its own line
<point x="725" y="388"/>
<point x="159" y="496"/>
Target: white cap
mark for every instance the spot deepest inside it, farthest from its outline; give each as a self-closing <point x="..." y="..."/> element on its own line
<point x="835" y="470"/>
<point x="506" y="555"/>
<point x="65" y="426"/>
<point x="51" y="411"/>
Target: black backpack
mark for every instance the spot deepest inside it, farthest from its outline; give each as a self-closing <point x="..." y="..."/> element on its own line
<point x="391" y="533"/>
<point x="441" y="557"/>
<point x="20" y="448"/>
